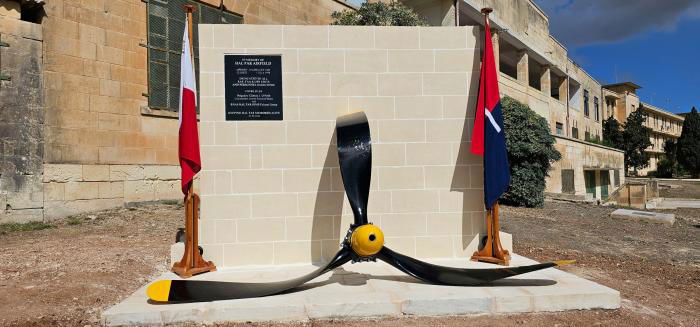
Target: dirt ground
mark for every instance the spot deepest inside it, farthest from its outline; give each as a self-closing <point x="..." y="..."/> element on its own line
<point x="67" y="275"/>
<point x="674" y="189"/>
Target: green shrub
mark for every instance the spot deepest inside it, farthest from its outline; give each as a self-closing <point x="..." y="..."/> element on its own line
<point x="379" y="14"/>
<point x="664" y="168"/>
<point x="531" y="153"/>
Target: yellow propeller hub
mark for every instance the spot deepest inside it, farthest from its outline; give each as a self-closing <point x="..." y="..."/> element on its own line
<point x="367" y="240"/>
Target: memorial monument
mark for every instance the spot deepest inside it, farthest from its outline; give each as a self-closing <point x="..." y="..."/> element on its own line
<point x="273" y="191"/>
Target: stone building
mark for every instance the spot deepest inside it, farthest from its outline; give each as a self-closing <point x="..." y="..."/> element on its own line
<point x="621" y="100"/>
<point x="88" y="93"/>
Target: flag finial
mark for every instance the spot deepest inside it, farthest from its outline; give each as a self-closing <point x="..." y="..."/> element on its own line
<point x="486" y="10"/>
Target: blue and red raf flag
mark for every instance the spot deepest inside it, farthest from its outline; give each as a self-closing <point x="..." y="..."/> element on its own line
<point x="488" y="136"/>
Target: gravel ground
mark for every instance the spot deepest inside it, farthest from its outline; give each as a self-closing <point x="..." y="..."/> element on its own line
<point x="66" y="276"/>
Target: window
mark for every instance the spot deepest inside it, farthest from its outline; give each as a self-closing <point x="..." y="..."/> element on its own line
<point x="574" y="132"/>
<point x="586" y="111"/>
<point x="588" y="136"/>
<point x="535" y="71"/>
<point x="560" y="129"/>
<point x="596" y="108"/>
<point x="166" y="23"/>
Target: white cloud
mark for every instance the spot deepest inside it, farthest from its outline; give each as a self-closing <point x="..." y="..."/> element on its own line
<point x="584" y="22"/>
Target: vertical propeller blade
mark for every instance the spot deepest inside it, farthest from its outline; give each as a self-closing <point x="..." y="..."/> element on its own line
<point x="205" y="291"/>
<point x="452" y="276"/>
<point x="355" y="159"/>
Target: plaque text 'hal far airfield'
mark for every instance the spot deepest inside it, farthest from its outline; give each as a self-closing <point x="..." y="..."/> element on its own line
<point x="253" y="87"/>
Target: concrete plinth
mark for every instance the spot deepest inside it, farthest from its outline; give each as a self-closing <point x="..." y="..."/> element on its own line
<point x="652" y="217"/>
<point x="372" y="290"/>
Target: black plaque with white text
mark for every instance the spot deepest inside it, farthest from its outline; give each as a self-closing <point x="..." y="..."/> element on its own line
<point x="253" y="86"/>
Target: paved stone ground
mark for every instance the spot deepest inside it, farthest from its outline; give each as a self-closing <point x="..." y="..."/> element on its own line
<point x="66" y="276"/>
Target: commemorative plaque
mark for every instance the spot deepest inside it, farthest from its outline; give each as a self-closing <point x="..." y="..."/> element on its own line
<point x="253" y="87"/>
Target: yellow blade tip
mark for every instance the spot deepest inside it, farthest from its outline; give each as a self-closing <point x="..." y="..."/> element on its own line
<point x="564" y="262"/>
<point x="159" y="291"/>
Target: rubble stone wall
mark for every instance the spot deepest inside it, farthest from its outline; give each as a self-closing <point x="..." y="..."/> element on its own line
<point x="21" y="117"/>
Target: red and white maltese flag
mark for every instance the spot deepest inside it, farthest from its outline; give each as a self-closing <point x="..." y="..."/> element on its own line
<point x="188" y="148"/>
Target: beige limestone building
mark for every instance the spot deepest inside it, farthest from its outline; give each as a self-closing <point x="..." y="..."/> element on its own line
<point x="88" y="93"/>
<point x="621" y="100"/>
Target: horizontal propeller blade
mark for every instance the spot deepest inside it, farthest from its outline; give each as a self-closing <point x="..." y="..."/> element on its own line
<point x="435" y="274"/>
<point x="205" y="291"/>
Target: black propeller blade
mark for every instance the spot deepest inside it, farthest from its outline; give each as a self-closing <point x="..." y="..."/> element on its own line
<point x="442" y="275"/>
<point x="205" y="291"/>
<point x="355" y="159"/>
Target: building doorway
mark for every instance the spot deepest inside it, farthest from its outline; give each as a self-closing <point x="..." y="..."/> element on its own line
<point x="589" y="179"/>
<point x="604" y="184"/>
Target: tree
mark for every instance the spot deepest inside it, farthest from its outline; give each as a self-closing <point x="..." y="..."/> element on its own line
<point x="664" y="168"/>
<point x="379" y="14"/>
<point x="612" y="133"/>
<point x="688" y="151"/>
<point x="635" y="138"/>
<point x="531" y="153"/>
<point x="670" y="155"/>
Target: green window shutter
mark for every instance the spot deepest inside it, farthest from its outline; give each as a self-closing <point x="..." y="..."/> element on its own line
<point x="166" y="24"/>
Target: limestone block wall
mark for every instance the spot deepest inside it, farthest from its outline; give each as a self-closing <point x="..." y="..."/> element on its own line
<point x="300" y="12"/>
<point x="73" y="188"/>
<point x="272" y="191"/>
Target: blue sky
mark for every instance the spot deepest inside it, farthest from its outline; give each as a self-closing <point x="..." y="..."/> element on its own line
<point x="357" y="2"/>
<point x="655" y="44"/>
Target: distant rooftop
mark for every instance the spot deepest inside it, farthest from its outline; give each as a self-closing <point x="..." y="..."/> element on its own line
<point x="663" y="111"/>
<point x="628" y="84"/>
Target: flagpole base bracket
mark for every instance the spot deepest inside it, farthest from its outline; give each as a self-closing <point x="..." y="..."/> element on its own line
<point x="186" y="272"/>
<point x="499" y="261"/>
<point x="192" y="262"/>
<point x="493" y="251"/>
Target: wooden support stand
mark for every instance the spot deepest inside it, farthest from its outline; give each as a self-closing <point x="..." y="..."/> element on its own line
<point x="492" y="251"/>
<point x="192" y="262"/>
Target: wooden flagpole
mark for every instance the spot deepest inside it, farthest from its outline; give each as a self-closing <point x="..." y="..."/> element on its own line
<point x="492" y="251"/>
<point x="192" y="262"/>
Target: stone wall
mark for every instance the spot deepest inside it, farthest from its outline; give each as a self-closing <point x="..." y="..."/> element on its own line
<point x="297" y="12"/>
<point x="95" y="78"/>
<point x="272" y="191"/>
<point x="72" y="188"/>
<point x="21" y="117"/>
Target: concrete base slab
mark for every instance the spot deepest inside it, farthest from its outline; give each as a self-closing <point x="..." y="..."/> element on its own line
<point x="673" y="203"/>
<point x="652" y="217"/>
<point x="372" y="290"/>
